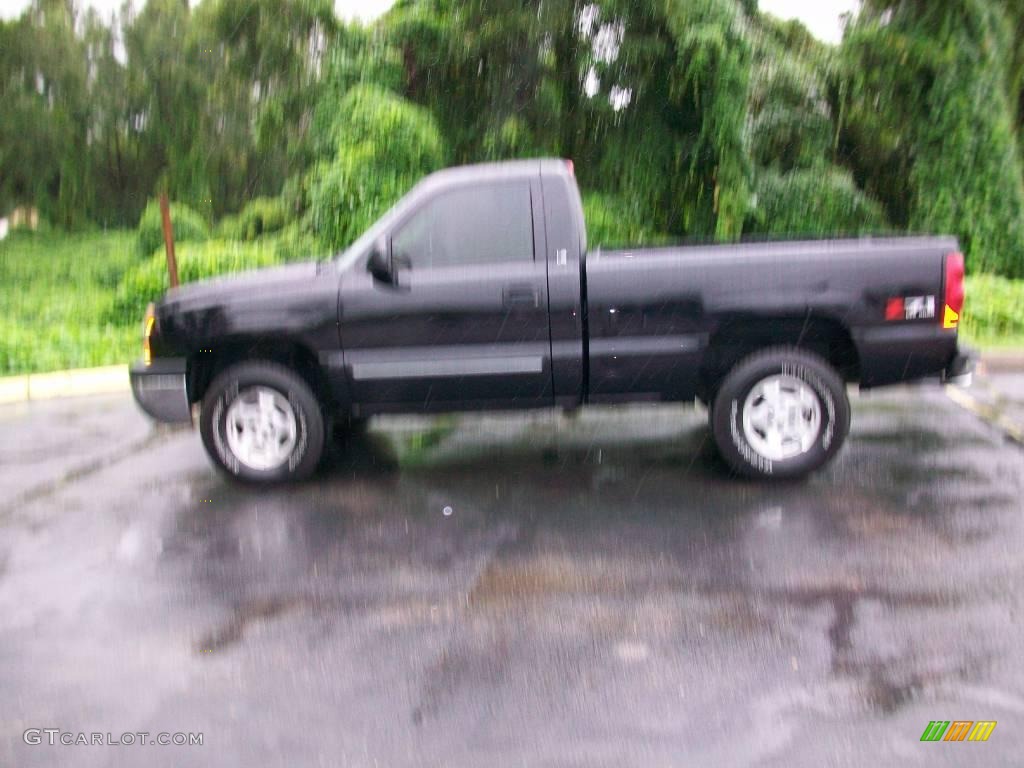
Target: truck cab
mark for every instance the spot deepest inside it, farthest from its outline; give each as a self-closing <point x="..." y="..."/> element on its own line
<point x="467" y="295"/>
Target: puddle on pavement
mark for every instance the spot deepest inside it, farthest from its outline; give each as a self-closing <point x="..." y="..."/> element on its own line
<point x="246" y="614"/>
<point x="635" y="546"/>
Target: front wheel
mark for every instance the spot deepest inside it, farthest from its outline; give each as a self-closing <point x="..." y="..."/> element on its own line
<point x="780" y="413"/>
<point x="261" y="422"/>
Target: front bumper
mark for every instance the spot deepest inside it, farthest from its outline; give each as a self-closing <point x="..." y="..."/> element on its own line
<point x="960" y="371"/>
<point x="160" y="389"/>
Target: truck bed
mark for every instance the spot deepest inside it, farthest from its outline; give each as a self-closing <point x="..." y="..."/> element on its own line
<point x="652" y="312"/>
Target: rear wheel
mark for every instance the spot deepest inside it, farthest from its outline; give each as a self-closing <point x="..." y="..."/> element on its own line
<point x="261" y="422"/>
<point x="780" y="413"/>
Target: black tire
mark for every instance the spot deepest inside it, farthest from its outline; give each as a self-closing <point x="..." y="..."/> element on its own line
<point x="307" y="421"/>
<point x="825" y="432"/>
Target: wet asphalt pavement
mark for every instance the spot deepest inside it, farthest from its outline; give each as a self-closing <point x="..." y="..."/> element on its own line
<point x="512" y="590"/>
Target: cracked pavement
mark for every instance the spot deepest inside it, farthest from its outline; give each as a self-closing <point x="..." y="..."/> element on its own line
<point x="513" y="590"/>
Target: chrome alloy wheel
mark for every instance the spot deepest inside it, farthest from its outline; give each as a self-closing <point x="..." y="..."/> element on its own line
<point x="781" y="417"/>
<point x="261" y="428"/>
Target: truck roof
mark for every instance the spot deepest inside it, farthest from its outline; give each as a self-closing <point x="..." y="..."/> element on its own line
<point x="506" y="169"/>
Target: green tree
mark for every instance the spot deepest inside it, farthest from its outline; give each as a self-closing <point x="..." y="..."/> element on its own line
<point x="491" y="71"/>
<point x="664" y="115"/>
<point x="43" y="91"/>
<point x="930" y="122"/>
<point x="116" y="167"/>
<point x="166" y="90"/>
<point x="383" y="145"/>
<point x="262" y="61"/>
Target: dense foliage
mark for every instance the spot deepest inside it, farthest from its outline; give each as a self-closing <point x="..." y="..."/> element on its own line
<point x="212" y="104"/>
<point x="58" y="291"/>
<point x="196" y="261"/>
<point x="992" y="313"/>
<point x="613" y="220"/>
<point x="932" y="121"/>
<point x="259" y="217"/>
<point x="382" y="144"/>
<point x="187" y="226"/>
<point x="814" y="201"/>
<point x="696" y="119"/>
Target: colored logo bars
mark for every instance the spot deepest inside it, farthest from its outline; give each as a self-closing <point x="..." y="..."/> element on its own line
<point x="958" y="730"/>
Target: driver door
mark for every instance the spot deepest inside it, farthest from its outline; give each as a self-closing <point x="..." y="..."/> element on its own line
<point x="466" y="325"/>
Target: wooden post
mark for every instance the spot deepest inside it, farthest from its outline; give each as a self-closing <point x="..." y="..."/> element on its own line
<point x="172" y="262"/>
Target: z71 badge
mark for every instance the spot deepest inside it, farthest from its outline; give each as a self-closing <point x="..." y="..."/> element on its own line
<point x="919" y="307"/>
<point x="910" y="308"/>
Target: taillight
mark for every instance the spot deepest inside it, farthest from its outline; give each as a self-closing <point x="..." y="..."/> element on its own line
<point x="954" y="296"/>
<point x="147" y="332"/>
<point x="571" y="166"/>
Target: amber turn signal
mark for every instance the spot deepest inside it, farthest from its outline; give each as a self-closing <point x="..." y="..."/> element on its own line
<point x="147" y="331"/>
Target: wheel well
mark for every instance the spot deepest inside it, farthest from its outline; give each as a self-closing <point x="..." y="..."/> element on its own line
<point x="737" y="338"/>
<point x="205" y="365"/>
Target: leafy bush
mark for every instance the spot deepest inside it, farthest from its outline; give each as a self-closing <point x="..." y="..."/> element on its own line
<point x="820" y="201"/>
<point x="350" y="193"/>
<point x="80" y="298"/>
<point x="196" y="261"/>
<point x="230" y="227"/>
<point x="612" y="220"/>
<point x="399" y="134"/>
<point x="360" y="54"/>
<point x="384" y="144"/>
<point x="992" y="309"/>
<point x="188" y="226"/>
<point x="294" y="243"/>
<point x="260" y="216"/>
<point x="509" y="140"/>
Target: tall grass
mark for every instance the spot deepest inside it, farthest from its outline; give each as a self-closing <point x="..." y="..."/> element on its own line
<point x="994" y="311"/>
<point x="76" y="301"/>
<point x="54" y="290"/>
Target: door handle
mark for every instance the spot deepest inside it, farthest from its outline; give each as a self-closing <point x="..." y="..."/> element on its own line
<point x="520" y="297"/>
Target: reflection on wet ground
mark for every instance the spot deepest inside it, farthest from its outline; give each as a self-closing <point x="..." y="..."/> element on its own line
<point x="592" y="590"/>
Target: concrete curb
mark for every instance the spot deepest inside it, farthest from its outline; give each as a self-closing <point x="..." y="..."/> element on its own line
<point x="1003" y="360"/>
<point x="988" y="413"/>
<point x="72" y="383"/>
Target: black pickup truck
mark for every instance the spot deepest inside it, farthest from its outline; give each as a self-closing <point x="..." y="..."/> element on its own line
<point x="477" y="291"/>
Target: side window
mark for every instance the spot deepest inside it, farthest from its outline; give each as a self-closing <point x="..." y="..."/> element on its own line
<point x="473" y="225"/>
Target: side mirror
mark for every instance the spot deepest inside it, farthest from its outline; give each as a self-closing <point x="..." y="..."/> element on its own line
<point x="379" y="264"/>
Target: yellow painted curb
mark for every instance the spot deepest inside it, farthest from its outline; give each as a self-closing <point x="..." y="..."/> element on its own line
<point x="13" y="389"/>
<point x="986" y="413"/>
<point x="72" y="383"/>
